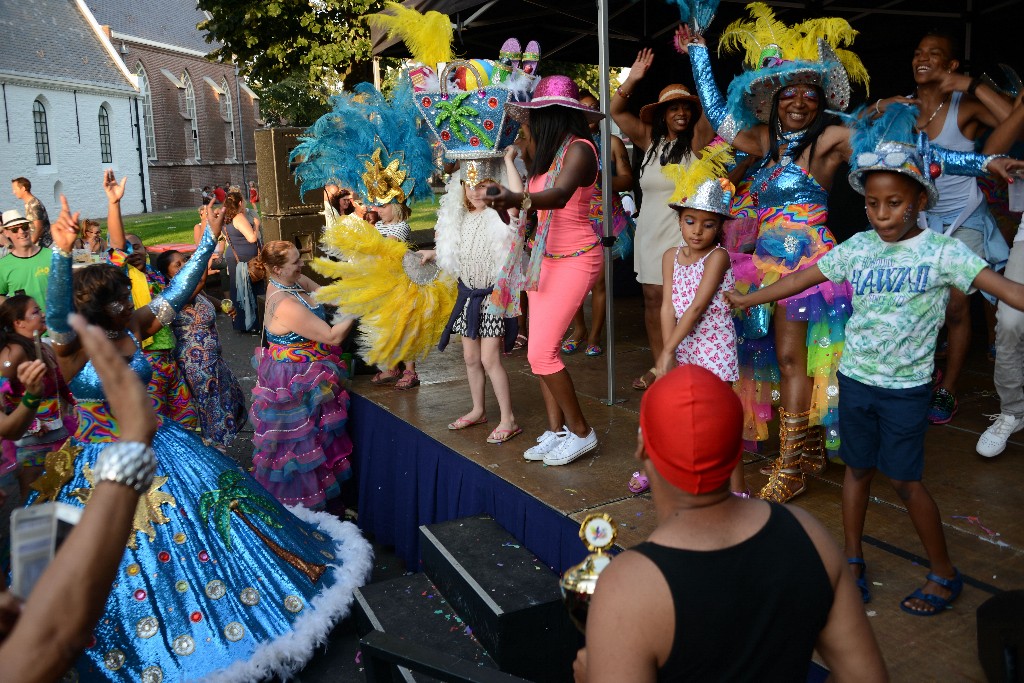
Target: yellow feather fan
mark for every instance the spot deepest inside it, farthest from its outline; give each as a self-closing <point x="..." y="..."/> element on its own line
<point x="428" y="36"/>
<point x="400" y="320"/>
<point x="714" y="163"/>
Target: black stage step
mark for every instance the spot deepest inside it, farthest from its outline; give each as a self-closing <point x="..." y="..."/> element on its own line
<point x="412" y="608"/>
<point x="505" y="593"/>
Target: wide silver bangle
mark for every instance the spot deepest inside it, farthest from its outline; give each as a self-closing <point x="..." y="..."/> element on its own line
<point x="728" y="129"/>
<point x="990" y="158"/>
<point x="62" y="338"/>
<point x="130" y="463"/>
<point x="60" y="252"/>
<point x="163" y="310"/>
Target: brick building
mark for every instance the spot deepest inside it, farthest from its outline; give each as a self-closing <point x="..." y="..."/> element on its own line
<point x="198" y="117"/>
<point x="68" y="109"/>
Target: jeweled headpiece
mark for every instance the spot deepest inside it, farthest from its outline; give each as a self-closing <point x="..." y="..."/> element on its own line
<point x="702" y="184"/>
<point x="384" y="182"/>
<point x="779" y="55"/>
<point x="482" y="169"/>
<point x="889" y="144"/>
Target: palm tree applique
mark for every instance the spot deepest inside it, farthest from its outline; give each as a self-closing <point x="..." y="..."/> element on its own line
<point x="234" y="496"/>
<point x="458" y="117"/>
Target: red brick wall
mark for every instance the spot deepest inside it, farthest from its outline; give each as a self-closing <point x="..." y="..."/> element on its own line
<point x="176" y="177"/>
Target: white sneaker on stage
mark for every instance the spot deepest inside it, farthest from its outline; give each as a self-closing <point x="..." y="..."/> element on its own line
<point x="993" y="441"/>
<point x="546" y="442"/>
<point x="571" y="447"/>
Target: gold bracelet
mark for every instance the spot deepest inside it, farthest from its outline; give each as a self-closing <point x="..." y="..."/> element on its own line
<point x="622" y="94"/>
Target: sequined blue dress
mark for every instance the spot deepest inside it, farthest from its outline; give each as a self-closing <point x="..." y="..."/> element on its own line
<point x="218" y="579"/>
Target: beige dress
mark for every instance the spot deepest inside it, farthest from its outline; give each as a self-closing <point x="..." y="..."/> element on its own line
<point x="657" y="226"/>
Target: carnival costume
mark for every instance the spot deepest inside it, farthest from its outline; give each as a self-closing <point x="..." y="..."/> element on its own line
<point x="299" y="415"/>
<point x="791" y="207"/>
<point x="216" y="393"/>
<point x="219" y="580"/>
<point x="168" y="390"/>
<point x="473" y="247"/>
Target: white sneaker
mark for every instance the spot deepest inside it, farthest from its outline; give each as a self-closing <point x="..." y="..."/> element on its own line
<point x="993" y="441"/>
<point x="546" y="442"/>
<point x="570" y="448"/>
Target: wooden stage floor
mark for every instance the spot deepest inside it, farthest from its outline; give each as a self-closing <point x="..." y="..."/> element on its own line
<point x="980" y="499"/>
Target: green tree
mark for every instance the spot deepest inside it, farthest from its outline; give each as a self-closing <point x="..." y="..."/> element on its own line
<point x="293" y="101"/>
<point x="587" y="76"/>
<point x="235" y="498"/>
<point x="274" y="39"/>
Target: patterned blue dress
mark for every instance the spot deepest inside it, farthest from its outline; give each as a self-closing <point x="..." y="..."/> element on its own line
<point x="218" y="579"/>
<point x="215" y="389"/>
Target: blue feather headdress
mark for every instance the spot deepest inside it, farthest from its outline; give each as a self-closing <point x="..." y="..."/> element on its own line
<point x="889" y="143"/>
<point x="697" y="13"/>
<point x="374" y="145"/>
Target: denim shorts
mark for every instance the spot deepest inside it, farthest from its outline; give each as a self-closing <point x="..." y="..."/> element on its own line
<point x="883" y="428"/>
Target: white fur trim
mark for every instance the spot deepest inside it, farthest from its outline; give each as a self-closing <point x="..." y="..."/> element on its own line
<point x="287" y="654"/>
<point x="448" y="230"/>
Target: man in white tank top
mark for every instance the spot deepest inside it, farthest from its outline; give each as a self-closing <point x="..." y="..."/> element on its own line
<point x="954" y="110"/>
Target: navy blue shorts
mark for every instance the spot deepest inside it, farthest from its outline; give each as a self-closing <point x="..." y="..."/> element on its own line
<point x="882" y="428"/>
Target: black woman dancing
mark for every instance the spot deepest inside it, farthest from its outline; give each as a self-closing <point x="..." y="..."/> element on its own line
<point x="777" y="111"/>
<point x="218" y="578"/>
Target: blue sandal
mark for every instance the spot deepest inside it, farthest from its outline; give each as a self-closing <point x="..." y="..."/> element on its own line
<point x="954" y="585"/>
<point x="862" y="580"/>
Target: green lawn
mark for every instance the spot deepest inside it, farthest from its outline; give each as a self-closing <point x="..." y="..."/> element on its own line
<point x="161" y="228"/>
<point x="176" y="226"/>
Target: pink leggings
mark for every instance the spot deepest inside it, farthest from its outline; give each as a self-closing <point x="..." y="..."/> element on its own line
<point x="563" y="285"/>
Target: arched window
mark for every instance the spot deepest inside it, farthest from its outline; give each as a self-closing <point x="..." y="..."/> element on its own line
<point x="190" y="112"/>
<point x="228" y="112"/>
<point x="42" y="134"/>
<point x="106" y="156"/>
<point x="147" y="111"/>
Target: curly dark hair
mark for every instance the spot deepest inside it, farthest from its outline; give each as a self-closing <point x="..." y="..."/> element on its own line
<point x="163" y="262"/>
<point x="683" y="143"/>
<point x="97" y="286"/>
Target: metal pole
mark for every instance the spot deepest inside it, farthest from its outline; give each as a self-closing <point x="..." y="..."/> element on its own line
<point x="241" y="134"/>
<point x="606" y="192"/>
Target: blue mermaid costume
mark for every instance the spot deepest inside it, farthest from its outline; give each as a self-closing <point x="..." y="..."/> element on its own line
<point x="218" y="580"/>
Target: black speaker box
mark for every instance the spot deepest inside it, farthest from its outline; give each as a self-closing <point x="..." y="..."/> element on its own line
<point x="304" y="231"/>
<point x="279" y="195"/>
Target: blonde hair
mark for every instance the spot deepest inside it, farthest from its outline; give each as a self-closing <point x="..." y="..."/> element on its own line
<point x="402" y="212"/>
<point x="273" y="255"/>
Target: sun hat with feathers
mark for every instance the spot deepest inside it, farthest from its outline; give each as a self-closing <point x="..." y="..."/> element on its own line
<point x="777" y="55"/>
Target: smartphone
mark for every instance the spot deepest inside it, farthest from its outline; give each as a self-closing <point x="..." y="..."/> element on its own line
<point x="36" y="534"/>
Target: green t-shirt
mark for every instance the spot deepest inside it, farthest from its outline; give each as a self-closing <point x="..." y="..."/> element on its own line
<point x="900" y="291"/>
<point x="31" y="274"/>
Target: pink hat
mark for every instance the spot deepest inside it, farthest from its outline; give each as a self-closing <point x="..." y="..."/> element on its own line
<point x="552" y="91"/>
<point x="692" y="425"/>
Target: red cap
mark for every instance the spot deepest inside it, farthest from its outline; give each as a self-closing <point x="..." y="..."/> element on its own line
<point x="692" y="425"/>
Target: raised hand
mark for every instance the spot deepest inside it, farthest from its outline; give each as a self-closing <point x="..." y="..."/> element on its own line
<point x="31" y="375"/>
<point x="114" y="189"/>
<point x="684" y="38"/>
<point x="65" y="230"/>
<point x="643" y="62"/>
<point x="216" y="220"/>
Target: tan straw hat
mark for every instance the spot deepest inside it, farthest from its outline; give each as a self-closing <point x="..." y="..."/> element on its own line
<point x="670" y="93"/>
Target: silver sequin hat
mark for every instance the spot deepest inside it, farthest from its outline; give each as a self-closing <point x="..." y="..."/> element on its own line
<point x="895" y="157"/>
<point x="713" y="195"/>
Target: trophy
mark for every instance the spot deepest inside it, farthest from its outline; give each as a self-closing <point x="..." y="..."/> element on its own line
<point x="578" y="583"/>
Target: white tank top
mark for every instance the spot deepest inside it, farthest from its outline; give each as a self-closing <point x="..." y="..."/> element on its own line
<point x="954" y="190"/>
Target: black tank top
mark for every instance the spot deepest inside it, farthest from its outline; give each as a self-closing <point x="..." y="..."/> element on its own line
<point x="751" y="612"/>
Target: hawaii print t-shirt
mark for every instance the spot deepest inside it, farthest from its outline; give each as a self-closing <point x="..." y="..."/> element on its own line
<point x="900" y="291"/>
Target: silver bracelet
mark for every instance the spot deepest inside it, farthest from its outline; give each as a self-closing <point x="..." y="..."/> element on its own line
<point x="729" y="129"/>
<point x="60" y="252"/>
<point x="163" y="310"/>
<point x="130" y="463"/>
<point x="63" y="338"/>
<point x="878" y="112"/>
<point x="990" y="158"/>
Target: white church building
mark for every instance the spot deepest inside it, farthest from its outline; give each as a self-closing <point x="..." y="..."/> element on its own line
<point x="70" y="109"/>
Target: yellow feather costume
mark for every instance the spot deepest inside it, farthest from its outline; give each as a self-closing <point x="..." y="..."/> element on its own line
<point x="400" y="319"/>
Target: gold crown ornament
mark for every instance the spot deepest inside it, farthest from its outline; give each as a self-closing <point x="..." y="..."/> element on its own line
<point x="384" y="182"/>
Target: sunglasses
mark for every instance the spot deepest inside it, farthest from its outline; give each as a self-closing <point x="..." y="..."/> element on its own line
<point x="18" y="228"/>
